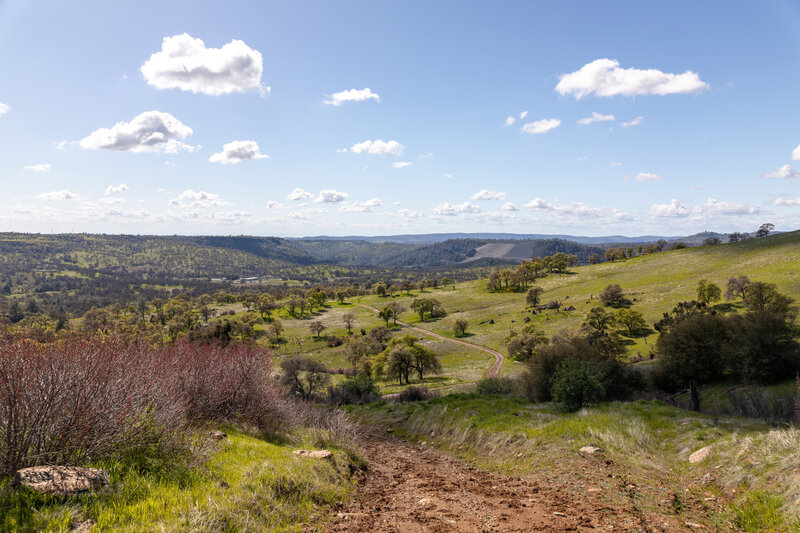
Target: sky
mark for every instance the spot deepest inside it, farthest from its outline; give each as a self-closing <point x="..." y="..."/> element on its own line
<point x="296" y="118"/>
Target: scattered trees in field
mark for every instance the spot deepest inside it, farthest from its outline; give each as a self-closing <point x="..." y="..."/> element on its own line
<point x="633" y="321"/>
<point x="736" y="236"/>
<point x="303" y="376"/>
<point x="428" y="306"/>
<point x="349" y="320"/>
<point x="614" y="296"/>
<point x="533" y="296"/>
<point x="317" y="327"/>
<point x="460" y="327"/>
<point x="737" y="287"/>
<point x="523" y="345"/>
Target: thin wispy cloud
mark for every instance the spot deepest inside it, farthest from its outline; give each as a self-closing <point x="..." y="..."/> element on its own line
<point x="352" y="95"/>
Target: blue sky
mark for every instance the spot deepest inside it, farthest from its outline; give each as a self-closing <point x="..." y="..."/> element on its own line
<point x="255" y="118"/>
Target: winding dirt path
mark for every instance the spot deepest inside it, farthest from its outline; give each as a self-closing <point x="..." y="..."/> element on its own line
<point x="491" y="372"/>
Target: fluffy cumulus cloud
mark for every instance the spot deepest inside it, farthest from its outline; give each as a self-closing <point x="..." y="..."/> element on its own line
<point x="646" y="176"/>
<point x="378" y="147"/>
<point x="190" y="199"/>
<point x="510" y="121"/>
<point x="361" y="207"/>
<point x="185" y="63"/>
<point x="674" y="209"/>
<point x="41" y="167"/>
<point x="485" y="194"/>
<point x="448" y="209"/>
<point x="331" y="196"/>
<point x="509" y="206"/>
<point x="116" y="189"/>
<point x="151" y="131"/>
<point x="299" y="194"/>
<point x="541" y="126"/>
<point x="787" y="201"/>
<point x="635" y="122"/>
<point x="710" y="209"/>
<point x="64" y="194"/>
<point x="236" y="152"/>
<point x="4" y="108"/>
<point x="795" y="153"/>
<point x="604" y="77"/>
<point x="352" y="95"/>
<point x="578" y="210"/>
<point x="401" y="164"/>
<point x="596" y="117"/>
<point x="783" y="173"/>
<point x="272" y="204"/>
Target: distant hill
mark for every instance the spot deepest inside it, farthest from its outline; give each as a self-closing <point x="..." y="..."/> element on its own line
<point x="429" y="238"/>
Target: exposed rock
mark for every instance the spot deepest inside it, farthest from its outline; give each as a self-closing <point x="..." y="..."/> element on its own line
<point x="590" y="450"/>
<point x="61" y="480"/>
<point x="559" y="514"/>
<point x="86" y="525"/>
<point x="215" y="434"/>
<point x="700" y="454"/>
<point x="314" y="454"/>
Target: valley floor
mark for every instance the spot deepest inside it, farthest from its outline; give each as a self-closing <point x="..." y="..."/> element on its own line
<point x="416" y="488"/>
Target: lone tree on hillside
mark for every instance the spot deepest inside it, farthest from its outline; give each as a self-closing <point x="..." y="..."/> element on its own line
<point x="303" y="376"/>
<point x="428" y="306"/>
<point x="349" y="319"/>
<point x="708" y="291"/>
<point x="460" y="327"/>
<point x="533" y="296"/>
<point x="736" y="236"/>
<point x="399" y="363"/>
<point x="316" y="328"/>
<point x="396" y="308"/>
<point x="764" y="230"/>
<point x="386" y="314"/>
<point x="613" y="296"/>
<point x="632" y="321"/>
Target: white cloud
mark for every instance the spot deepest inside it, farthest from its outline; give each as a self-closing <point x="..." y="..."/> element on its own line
<point x="787" y="201"/>
<point x="112" y="200"/>
<point x="578" y="209"/>
<point x="361" y="207"/>
<point x="407" y="213"/>
<point x="646" y="176"/>
<point x="796" y="153"/>
<point x="299" y="194"/>
<point x="508" y="206"/>
<point x="510" y="121"/>
<point x="674" y="209"/>
<point x="186" y="64"/>
<point x="378" y="147"/>
<point x="190" y="199"/>
<point x="236" y="152"/>
<point x="523" y="115"/>
<point x="604" y="77"/>
<point x="4" y="108"/>
<point x="448" y="209"/>
<point x="352" y="95"/>
<point x="401" y="164"/>
<point x="116" y="189"/>
<point x="596" y="117"/>
<point x="615" y="164"/>
<point x="64" y="194"/>
<point x="272" y="204"/>
<point x="151" y="131"/>
<point x="330" y="196"/>
<point x="541" y="126"/>
<point x="447" y="175"/>
<point x="41" y="167"/>
<point x="785" y="172"/>
<point x="484" y="194"/>
<point x="635" y="122"/>
<point x="714" y="208"/>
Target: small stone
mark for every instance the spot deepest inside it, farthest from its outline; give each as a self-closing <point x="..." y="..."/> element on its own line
<point x="389" y="430"/>
<point x="61" y="480"/>
<point x="423" y="501"/>
<point x="695" y="525"/>
<point x="559" y="514"/>
<point x="314" y="454"/>
<point x="700" y="455"/>
<point x="594" y="490"/>
<point x="590" y="450"/>
<point x="86" y="525"/>
<point x="215" y="434"/>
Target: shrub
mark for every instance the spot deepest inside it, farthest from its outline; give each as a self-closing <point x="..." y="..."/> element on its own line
<point x="500" y="386"/>
<point x="614" y="296"/>
<point x="692" y="350"/>
<point x="575" y="384"/>
<point x="303" y="376"/>
<point x="415" y="394"/>
<point x="358" y="390"/>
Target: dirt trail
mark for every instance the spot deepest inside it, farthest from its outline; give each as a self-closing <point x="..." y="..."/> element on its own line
<point x="415" y="488"/>
<point x="491" y="372"/>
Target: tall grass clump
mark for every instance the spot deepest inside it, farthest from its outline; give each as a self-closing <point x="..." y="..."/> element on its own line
<point x="75" y="402"/>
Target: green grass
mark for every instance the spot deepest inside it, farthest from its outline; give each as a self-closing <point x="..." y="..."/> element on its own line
<point x="249" y="485"/>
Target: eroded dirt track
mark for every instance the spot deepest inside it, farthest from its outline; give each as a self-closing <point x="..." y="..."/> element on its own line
<point x="412" y="488"/>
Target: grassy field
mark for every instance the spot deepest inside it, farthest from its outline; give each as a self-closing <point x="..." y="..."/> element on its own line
<point x="249" y="485"/>
<point x="655" y="281"/>
<point x="749" y="481"/>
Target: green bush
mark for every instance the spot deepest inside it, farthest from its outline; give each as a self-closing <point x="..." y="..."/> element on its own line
<point x="500" y="386"/>
<point x="576" y="384"/>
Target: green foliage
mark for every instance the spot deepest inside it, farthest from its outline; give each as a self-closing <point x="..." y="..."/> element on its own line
<point x="708" y="291"/>
<point x="460" y="327"/>
<point x="575" y="384"/>
<point x="614" y="296"/>
<point x="357" y="390"/>
<point x="428" y="306"/>
<point x="761" y="511"/>
<point x="500" y="386"/>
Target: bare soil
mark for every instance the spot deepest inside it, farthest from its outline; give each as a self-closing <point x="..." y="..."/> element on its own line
<point x="415" y="488"/>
